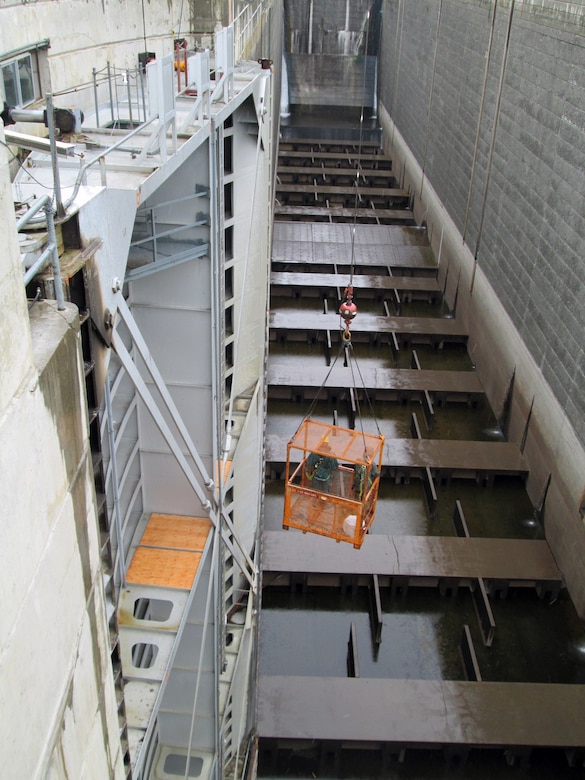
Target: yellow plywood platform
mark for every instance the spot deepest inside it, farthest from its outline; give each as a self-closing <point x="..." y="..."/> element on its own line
<point x="169" y="552"/>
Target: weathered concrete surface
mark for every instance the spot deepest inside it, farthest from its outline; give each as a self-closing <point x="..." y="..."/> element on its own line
<point x="522" y="300"/>
<point x="53" y="631"/>
<point x="57" y="701"/>
<point x="501" y="146"/>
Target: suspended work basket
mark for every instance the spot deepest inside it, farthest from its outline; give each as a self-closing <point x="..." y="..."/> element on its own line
<point x="332" y="479"/>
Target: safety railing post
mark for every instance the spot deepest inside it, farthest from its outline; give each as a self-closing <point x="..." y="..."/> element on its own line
<point x="48" y="209"/>
<point x="95" y="97"/>
<point x="54" y="163"/>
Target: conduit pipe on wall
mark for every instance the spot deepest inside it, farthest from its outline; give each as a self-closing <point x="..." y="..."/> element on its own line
<point x="493" y="140"/>
<point x="113" y="461"/>
<point x="424" y="159"/>
<point x="398" y="49"/>
<point x="480" y="117"/>
<point x="51" y="250"/>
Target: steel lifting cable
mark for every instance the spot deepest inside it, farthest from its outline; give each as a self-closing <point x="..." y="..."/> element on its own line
<point x="323" y="383"/>
<point x="348" y="309"/>
<point x="363" y="384"/>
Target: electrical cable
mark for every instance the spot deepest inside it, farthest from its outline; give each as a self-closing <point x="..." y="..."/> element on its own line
<point x="24" y="168"/>
<point x="360" y="142"/>
<point x="368" y="399"/>
<point x="323" y="383"/>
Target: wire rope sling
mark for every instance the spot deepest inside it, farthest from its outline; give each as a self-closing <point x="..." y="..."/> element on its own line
<point x="333" y="473"/>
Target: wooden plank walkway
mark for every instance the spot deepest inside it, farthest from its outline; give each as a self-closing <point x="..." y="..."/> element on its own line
<point x="169" y="552"/>
<point x="389" y="380"/>
<point x="421" y="713"/>
<point x="340" y="212"/>
<point x="448" y="458"/>
<point x="426" y="557"/>
<point x="430" y="329"/>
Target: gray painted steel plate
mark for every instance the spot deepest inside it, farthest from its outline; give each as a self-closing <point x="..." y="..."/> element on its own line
<point x="325" y="232"/>
<point x="292" y="231"/>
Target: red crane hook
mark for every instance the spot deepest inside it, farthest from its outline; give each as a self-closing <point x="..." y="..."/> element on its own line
<point x="347" y="311"/>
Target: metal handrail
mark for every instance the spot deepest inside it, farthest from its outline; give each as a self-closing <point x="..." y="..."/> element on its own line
<point x="98" y="158"/>
<point x="50" y="252"/>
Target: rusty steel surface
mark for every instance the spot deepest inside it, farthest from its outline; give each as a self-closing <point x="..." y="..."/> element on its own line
<point x="421" y="712"/>
<point x="364" y="281"/>
<point x="340" y="253"/>
<point x="399" y="379"/>
<point x="395" y="235"/>
<point x="383" y="192"/>
<point x="397" y="215"/>
<point x="527" y="560"/>
<point x="327" y="144"/>
<point x="339" y="156"/>
<point x="448" y="454"/>
<point x="370" y="323"/>
<point x="317" y="170"/>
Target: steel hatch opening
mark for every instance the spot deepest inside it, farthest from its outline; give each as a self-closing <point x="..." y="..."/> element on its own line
<point x="332" y="480"/>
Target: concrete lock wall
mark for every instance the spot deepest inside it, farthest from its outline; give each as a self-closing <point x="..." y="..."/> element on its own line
<point x="493" y="158"/>
<point x="58" y="714"/>
<point x="106" y="32"/>
<point x="325" y="44"/>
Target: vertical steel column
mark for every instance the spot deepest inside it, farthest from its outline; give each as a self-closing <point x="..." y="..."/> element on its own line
<point x="111" y="93"/>
<point x="229" y="534"/>
<point x="141" y="72"/>
<point x="95" y="97"/>
<point x="117" y="514"/>
<point x="54" y="256"/>
<point x="54" y="163"/>
<point x="217" y="314"/>
<point x="129" y="93"/>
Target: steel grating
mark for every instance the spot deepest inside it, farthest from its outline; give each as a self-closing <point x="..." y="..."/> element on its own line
<point x="292" y="231"/>
<point x="292" y="252"/>
<point x="371" y="234"/>
<point x="324" y="232"/>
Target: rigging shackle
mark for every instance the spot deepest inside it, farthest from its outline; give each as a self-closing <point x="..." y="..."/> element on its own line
<point x="347" y="311"/>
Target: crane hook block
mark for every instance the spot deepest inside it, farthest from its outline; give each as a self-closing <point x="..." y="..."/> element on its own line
<point x="348" y="309"/>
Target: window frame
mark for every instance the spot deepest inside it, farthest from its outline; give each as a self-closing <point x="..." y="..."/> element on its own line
<point x="20" y="98"/>
<point x="29" y="58"/>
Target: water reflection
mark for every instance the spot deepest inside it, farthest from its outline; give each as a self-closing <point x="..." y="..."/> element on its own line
<point x="457" y="422"/>
<point x="502" y="512"/>
<point x="452" y="357"/>
<point x="307" y="634"/>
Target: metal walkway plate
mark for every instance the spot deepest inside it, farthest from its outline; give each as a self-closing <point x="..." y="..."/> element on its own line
<point x="419" y="713"/>
<point x="528" y="560"/>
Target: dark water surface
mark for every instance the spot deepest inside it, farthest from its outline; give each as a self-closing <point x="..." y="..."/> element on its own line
<point x="307" y="633"/>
